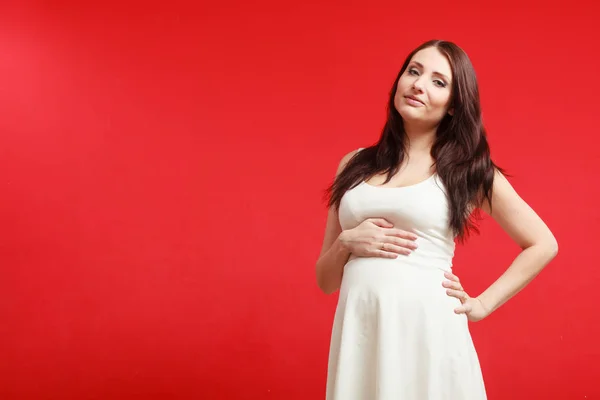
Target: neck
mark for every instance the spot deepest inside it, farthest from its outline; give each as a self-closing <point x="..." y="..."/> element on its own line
<point x="419" y="139"/>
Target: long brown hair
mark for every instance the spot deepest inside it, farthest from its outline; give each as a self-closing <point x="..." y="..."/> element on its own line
<point x="461" y="151"/>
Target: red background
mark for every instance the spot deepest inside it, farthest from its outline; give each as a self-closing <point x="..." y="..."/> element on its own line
<point x="162" y="168"/>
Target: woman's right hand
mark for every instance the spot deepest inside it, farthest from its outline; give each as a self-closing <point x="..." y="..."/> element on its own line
<point x="376" y="237"/>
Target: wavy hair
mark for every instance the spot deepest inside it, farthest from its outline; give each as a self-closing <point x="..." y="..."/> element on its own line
<point x="460" y="150"/>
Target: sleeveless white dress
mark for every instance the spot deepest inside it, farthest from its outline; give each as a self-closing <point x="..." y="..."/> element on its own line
<point x="395" y="334"/>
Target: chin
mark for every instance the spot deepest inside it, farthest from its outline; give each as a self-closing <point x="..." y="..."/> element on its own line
<point x="409" y="113"/>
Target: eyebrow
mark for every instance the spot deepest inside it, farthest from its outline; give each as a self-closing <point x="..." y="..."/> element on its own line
<point x="434" y="72"/>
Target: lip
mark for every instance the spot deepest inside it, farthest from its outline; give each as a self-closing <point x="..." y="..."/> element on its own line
<point x="414" y="99"/>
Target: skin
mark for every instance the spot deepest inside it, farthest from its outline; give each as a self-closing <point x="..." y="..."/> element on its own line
<point x="428" y="80"/>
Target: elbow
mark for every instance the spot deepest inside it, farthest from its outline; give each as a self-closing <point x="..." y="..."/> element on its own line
<point x="546" y="249"/>
<point x="554" y="248"/>
<point x="329" y="289"/>
<point x="551" y="246"/>
<point x="326" y="285"/>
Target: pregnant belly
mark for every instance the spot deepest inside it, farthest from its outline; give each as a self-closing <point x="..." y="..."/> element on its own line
<point x="397" y="280"/>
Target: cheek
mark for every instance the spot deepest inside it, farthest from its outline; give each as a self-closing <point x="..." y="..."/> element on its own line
<point x="399" y="93"/>
<point x="402" y="87"/>
<point x="440" y="100"/>
<point x="403" y="84"/>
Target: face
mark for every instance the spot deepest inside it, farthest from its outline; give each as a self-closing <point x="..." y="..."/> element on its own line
<point x="423" y="91"/>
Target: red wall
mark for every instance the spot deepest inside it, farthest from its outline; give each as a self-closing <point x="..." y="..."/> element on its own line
<point x="161" y="178"/>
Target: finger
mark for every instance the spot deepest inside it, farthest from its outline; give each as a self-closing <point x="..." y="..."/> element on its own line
<point x="383" y="223"/>
<point x="385" y="254"/>
<point x="452" y="285"/>
<point x="409" y="244"/>
<point x="389" y="247"/>
<point x="451" y="276"/>
<point x="402" y="234"/>
<point x="464" y="309"/>
<point x="459" y="294"/>
<point x="384" y="250"/>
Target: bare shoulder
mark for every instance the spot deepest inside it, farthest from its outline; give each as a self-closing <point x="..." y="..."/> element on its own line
<point x="345" y="159"/>
<point x="503" y="194"/>
<point x="332" y="227"/>
<point x="515" y="216"/>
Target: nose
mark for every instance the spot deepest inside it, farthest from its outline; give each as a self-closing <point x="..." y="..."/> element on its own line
<point x="417" y="85"/>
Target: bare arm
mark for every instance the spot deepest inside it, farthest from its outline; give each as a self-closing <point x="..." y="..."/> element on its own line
<point x="528" y="230"/>
<point x="333" y="254"/>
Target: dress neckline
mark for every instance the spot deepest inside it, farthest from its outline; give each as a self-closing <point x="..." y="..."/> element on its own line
<point x="401" y="187"/>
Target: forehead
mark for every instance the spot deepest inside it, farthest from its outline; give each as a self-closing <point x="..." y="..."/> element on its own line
<point x="431" y="59"/>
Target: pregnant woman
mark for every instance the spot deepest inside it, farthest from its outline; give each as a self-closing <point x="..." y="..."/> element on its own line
<point x="400" y="330"/>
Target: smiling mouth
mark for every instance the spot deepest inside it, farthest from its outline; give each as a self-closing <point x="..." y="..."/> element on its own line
<point x="414" y="100"/>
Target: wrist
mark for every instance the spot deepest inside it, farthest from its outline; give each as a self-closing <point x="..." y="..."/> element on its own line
<point x="486" y="307"/>
<point x="342" y="239"/>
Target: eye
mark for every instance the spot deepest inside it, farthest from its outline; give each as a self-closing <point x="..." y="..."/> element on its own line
<point x="412" y="71"/>
<point x="440" y="83"/>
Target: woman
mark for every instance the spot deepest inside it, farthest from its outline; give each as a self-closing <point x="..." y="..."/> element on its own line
<point x="401" y="325"/>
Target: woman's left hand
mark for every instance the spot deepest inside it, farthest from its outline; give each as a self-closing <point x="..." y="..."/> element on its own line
<point x="471" y="306"/>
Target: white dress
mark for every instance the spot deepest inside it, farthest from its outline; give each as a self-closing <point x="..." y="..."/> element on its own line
<point x="395" y="334"/>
